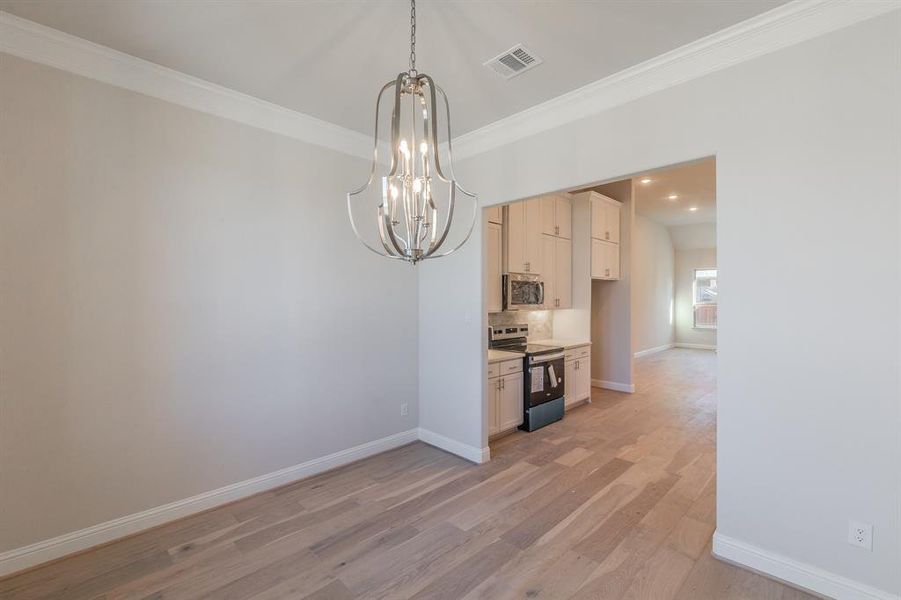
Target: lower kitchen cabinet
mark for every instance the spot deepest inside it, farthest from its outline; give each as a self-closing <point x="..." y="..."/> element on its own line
<point x="577" y="384"/>
<point x="504" y="395"/>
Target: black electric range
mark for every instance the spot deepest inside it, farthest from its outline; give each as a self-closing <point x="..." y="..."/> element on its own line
<point x="543" y="375"/>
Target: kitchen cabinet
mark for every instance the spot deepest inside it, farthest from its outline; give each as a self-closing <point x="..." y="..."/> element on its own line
<point x="605" y="218"/>
<point x="523" y="223"/>
<point x="504" y="394"/>
<point x="604" y="260"/>
<point x="577" y="383"/>
<point x="557" y="271"/>
<point x="495" y="214"/>
<point x="494" y="268"/>
<point x="556" y="216"/>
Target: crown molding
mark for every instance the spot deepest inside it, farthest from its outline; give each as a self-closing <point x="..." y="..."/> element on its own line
<point x="773" y="30"/>
<point x="781" y="27"/>
<point x="38" y="43"/>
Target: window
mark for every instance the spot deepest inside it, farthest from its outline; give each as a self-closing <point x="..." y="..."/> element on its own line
<point x="705" y="294"/>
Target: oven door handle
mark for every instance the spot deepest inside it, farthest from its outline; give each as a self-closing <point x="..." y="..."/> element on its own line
<point x="537" y="360"/>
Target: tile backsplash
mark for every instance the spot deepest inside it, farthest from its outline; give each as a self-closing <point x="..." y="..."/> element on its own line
<point x="540" y="322"/>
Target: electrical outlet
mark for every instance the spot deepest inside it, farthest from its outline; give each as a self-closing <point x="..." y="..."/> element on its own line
<point x="860" y="534"/>
<point x="404" y="409"/>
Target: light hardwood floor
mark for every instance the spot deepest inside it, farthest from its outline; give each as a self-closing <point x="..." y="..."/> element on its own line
<point x="614" y="502"/>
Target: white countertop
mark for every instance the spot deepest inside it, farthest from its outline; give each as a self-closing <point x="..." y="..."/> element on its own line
<point x="566" y="344"/>
<point x="499" y="355"/>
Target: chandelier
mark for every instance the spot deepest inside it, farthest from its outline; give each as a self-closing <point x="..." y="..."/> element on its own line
<point x="412" y="203"/>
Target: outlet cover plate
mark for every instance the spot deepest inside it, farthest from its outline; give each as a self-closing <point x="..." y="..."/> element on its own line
<point x="860" y="534"/>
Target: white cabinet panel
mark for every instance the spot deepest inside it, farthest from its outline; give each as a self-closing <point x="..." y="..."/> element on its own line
<point x="524" y="236"/>
<point x="548" y="271"/>
<point x="604" y="260"/>
<point x="492" y="391"/>
<point x="516" y="237"/>
<point x="532" y="242"/>
<point x="548" y="216"/>
<point x="569" y="383"/>
<point x="563" y="272"/>
<point x="494" y="268"/>
<point x="563" y="217"/>
<point x="510" y="402"/>
<point x="611" y="221"/>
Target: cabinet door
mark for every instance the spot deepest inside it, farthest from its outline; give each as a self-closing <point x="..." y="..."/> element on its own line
<point x="495" y="214"/>
<point x="510" y="402"/>
<point x="491" y="396"/>
<point x="570" y="385"/>
<point x="494" y="268"/>
<point x="516" y="237"/>
<point x="611" y="222"/>
<point x="548" y="271"/>
<point x="598" y="259"/>
<point x="563" y="217"/>
<point x="563" y="273"/>
<point x="548" y="218"/>
<point x="583" y="379"/>
<point x="612" y="261"/>
<point x="598" y="219"/>
<point x="532" y="251"/>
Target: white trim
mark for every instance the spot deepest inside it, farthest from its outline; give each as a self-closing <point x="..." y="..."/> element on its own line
<point x="76" y="541"/>
<point x="783" y="26"/>
<point x="614" y="385"/>
<point x="773" y="30"/>
<point x="470" y="453"/>
<point x="801" y="575"/>
<point x="32" y="41"/>
<point x="695" y="346"/>
<point x="653" y="350"/>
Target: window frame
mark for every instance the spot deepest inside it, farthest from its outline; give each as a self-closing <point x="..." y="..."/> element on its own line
<point x="694" y="299"/>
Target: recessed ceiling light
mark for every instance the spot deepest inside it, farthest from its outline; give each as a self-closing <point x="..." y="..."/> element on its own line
<point x="672" y="197"/>
<point x="646" y="180"/>
<point x="693" y="209"/>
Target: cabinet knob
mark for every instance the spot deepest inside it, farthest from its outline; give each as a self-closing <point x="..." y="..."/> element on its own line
<point x="607" y="235"/>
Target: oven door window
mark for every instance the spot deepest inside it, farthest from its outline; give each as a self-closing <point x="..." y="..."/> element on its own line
<point x="527" y="292"/>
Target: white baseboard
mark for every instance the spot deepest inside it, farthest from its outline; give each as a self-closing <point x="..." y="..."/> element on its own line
<point x="794" y="573"/>
<point x="76" y="541"/>
<point x="614" y="385"/>
<point x="653" y="350"/>
<point x="695" y="346"/>
<point x="470" y="453"/>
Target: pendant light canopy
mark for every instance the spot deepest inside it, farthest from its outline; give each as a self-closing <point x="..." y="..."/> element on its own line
<point x="411" y="204"/>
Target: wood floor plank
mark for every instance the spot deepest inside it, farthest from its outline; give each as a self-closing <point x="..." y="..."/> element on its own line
<point x="615" y="502"/>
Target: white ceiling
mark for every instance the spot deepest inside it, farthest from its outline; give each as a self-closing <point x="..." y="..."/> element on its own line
<point x="328" y="59"/>
<point x="693" y="183"/>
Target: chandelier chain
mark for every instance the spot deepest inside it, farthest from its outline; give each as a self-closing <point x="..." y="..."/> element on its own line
<point x="412" y="36"/>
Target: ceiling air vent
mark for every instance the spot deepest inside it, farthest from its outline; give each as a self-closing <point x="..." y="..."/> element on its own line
<point x="514" y="61"/>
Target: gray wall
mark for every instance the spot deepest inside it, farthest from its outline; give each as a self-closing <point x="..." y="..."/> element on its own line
<point x="652" y="285"/>
<point x="686" y="263"/>
<point x="184" y="306"/>
<point x="798" y="135"/>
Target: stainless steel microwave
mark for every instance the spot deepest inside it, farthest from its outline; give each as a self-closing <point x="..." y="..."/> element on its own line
<point x="523" y="291"/>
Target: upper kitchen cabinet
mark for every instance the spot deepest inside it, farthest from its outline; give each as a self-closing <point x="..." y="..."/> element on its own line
<point x="494" y="267"/>
<point x="557" y="271"/>
<point x="605" y="218"/>
<point x="495" y="214"/>
<point x="523" y="224"/>
<point x="556" y="216"/>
